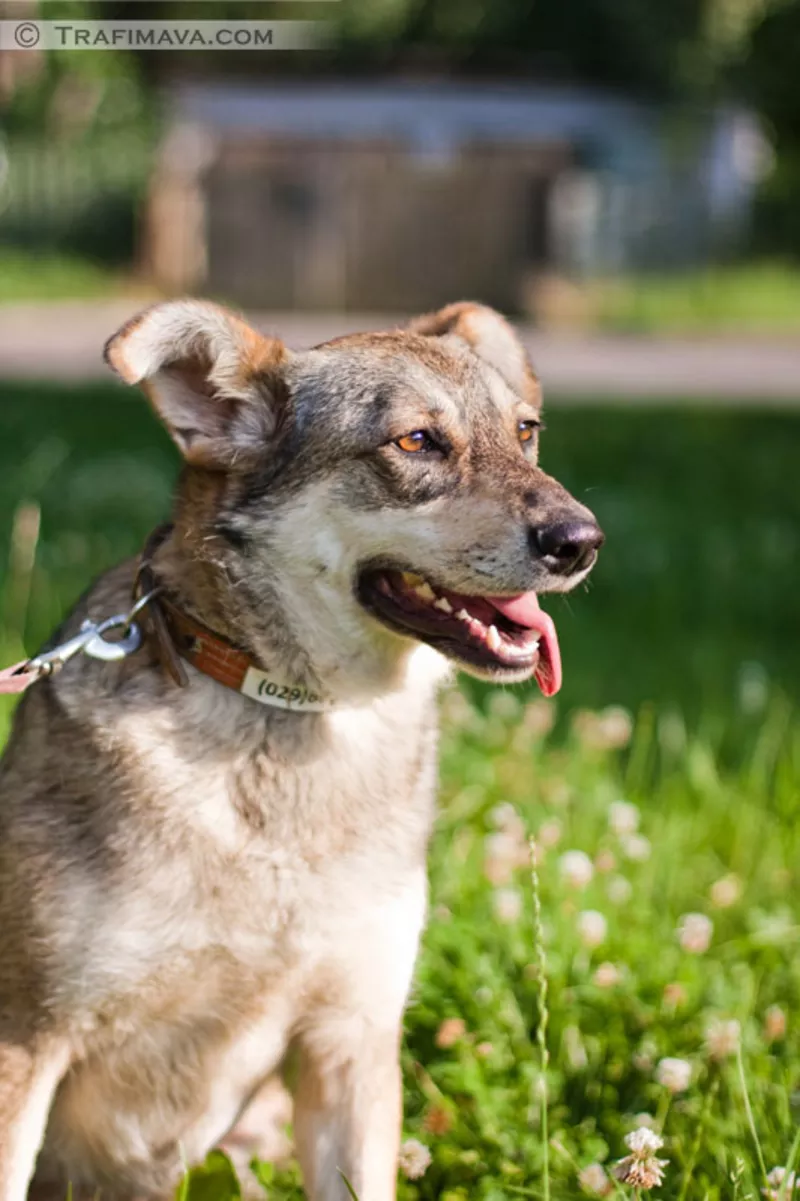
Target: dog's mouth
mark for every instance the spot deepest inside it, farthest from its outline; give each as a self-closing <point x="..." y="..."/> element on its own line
<point x="504" y="638"/>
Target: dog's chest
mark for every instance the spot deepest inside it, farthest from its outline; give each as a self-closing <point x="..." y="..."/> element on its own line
<point x="268" y="892"/>
<point x="270" y="855"/>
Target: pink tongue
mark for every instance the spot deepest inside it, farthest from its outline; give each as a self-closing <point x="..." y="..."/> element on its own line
<point x="524" y="611"/>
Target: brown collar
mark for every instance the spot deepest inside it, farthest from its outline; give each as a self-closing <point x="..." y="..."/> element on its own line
<point x="175" y="635"/>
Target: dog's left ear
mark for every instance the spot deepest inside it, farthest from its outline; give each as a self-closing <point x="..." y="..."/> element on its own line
<point x="490" y="337"/>
<point x="214" y="382"/>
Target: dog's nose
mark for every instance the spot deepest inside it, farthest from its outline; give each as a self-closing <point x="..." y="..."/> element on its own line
<point x="567" y="546"/>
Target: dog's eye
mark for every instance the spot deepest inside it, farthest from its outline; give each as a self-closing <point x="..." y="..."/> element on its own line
<point x="416" y="441"/>
<point x="527" y="429"/>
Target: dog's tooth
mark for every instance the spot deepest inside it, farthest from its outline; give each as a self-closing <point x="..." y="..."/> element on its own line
<point x="493" y="639"/>
<point x="384" y="586"/>
<point x="443" y="603"/>
<point x="424" y="591"/>
<point x="524" y="651"/>
<point x="411" y="580"/>
<point x="463" y="615"/>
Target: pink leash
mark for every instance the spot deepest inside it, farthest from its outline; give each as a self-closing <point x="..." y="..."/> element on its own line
<point x="16" y="678"/>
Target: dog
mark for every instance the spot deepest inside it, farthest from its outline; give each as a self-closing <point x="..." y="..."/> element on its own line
<point x="213" y="850"/>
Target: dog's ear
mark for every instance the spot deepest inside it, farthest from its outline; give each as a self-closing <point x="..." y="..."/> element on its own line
<point x="490" y="337"/>
<point x="215" y="383"/>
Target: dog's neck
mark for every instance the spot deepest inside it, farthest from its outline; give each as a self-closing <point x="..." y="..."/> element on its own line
<point x="199" y="574"/>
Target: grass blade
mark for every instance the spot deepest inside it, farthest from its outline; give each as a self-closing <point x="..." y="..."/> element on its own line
<point x="749" y="1112"/>
<point x="348" y="1185"/>
<point x="541" y="1027"/>
<point x="790" y="1166"/>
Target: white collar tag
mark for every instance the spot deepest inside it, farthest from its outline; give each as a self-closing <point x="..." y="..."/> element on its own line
<point x="265" y="689"/>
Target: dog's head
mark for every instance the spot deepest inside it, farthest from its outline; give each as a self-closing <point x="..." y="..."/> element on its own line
<point x="381" y="487"/>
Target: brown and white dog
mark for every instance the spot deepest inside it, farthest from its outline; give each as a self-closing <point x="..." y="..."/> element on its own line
<point x="192" y="882"/>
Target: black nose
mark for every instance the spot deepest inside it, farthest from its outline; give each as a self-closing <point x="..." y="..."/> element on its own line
<point x="568" y="546"/>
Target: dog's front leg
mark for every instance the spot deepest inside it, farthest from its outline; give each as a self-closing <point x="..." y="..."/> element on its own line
<point x="29" y="1075"/>
<point x="348" y="1111"/>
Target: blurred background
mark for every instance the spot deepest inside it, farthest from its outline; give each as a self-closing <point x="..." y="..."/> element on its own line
<point x="622" y="179"/>
<point x="585" y="164"/>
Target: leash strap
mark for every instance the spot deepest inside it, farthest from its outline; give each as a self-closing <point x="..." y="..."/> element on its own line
<point x="17" y="678"/>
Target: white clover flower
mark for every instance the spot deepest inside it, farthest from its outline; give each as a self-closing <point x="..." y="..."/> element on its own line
<point x="780" y="1184"/>
<point x="592" y="928"/>
<point x="726" y="891"/>
<point x="607" y="975"/>
<point x="642" y="1168"/>
<point x="503" y="852"/>
<point x="675" y="1075"/>
<point x="617" y="726"/>
<point x="414" y="1159"/>
<point x="694" y="932"/>
<point x="644" y="1057"/>
<point x="507" y="904"/>
<point x="594" y="1180"/>
<point x="576" y="869"/>
<point x="636" y="847"/>
<point x="538" y="719"/>
<point x="619" y="890"/>
<point x="505" y="817"/>
<point x="722" y="1038"/>
<point x="605" y="861"/>
<point x="623" y="817"/>
<point x="549" y="833"/>
<point x="607" y="730"/>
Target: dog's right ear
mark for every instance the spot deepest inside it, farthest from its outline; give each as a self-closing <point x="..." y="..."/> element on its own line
<point x="215" y="383"/>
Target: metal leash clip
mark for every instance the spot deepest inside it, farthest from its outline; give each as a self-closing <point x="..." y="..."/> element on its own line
<point x="91" y="641"/>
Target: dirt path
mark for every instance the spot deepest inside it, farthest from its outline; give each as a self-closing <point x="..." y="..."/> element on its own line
<point x="64" y="342"/>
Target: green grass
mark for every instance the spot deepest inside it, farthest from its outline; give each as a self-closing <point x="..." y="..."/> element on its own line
<point x="691" y="625"/>
<point x="25" y="276"/>
<point x="752" y="298"/>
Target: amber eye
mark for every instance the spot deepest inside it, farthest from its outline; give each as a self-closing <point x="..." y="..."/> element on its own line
<point x="416" y="441"/>
<point x="526" y="430"/>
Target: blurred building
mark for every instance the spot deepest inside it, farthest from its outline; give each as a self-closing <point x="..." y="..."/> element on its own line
<point x="397" y="196"/>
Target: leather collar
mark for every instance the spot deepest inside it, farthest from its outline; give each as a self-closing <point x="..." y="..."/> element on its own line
<point x="175" y="635"/>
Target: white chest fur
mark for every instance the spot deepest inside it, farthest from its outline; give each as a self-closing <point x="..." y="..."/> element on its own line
<point x="265" y="889"/>
<point x="255" y="834"/>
